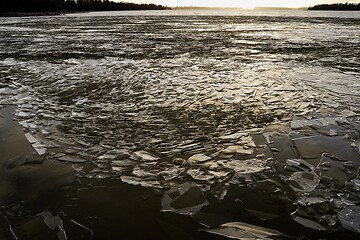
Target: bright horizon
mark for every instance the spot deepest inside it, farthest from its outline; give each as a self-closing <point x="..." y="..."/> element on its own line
<point x="247" y="4"/>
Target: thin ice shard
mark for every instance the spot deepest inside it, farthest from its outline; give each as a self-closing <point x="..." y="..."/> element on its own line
<point x="54" y="223"/>
<point x="300" y="163"/>
<point x="308" y="223"/>
<point x="71" y="159"/>
<point x="241" y="231"/>
<point x="187" y="199"/>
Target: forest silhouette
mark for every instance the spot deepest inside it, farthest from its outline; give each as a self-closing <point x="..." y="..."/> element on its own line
<point x="337" y="7"/>
<point x="71" y="5"/>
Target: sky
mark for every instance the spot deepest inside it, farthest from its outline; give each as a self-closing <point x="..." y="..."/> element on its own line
<point x="241" y="3"/>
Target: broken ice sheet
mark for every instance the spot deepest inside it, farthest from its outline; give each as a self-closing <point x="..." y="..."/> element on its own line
<point x="239" y="230"/>
<point x="187" y="199"/>
<point x="54" y="223"/>
<point x="198" y="158"/>
<point x="314" y="147"/>
<point x="304" y="181"/>
<point x="198" y="174"/>
<point x="350" y="218"/>
<point x="171" y="172"/>
<point x="245" y="166"/>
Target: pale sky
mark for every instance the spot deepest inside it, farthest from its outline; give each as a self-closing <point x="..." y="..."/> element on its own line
<point x="241" y="3"/>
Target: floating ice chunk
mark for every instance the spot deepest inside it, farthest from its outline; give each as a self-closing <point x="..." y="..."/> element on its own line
<point x="138" y="181"/>
<point x="198" y="158"/>
<point x="31" y="138"/>
<point x="308" y="200"/>
<point x="299" y="163"/>
<point x="23" y="114"/>
<point x="146" y="156"/>
<point x="122" y="163"/>
<point x="211" y="165"/>
<point x="138" y="172"/>
<point x="330" y="219"/>
<point x="245" y="166"/>
<point x="350" y="218"/>
<point x="78" y="168"/>
<point x="247" y="141"/>
<point x="218" y="174"/>
<point x="308" y="223"/>
<point x="103" y="175"/>
<point x="131" y="180"/>
<point x="187" y="199"/>
<point x="107" y="156"/>
<point x="54" y="223"/>
<point x="304" y="181"/>
<point x="200" y="175"/>
<point x="40" y="150"/>
<point x="239" y="230"/>
<point x="221" y="191"/>
<point x="233" y="136"/>
<point x="71" y="159"/>
<point x="285" y="87"/>
<point x="120" y="153"/>
<point x="171" y="172"/>
<point x="238" y="149"/>
<point x="356" y="183"/>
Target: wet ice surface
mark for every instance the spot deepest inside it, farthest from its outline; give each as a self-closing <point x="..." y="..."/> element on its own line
<point x="196" y="104"/>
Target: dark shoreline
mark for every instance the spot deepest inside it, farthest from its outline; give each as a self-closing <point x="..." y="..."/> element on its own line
<point x="54" y="13"/>
<point x="30" y="14"/>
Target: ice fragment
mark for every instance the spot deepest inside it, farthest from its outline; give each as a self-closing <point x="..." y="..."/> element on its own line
<point x="54" y="223"/>
<point x="241" y="231"/>
<point x="146" y="156"/>
<point x="187" y="199"/>
<point x="304" y="181"/>
<point x="350" y="218"/>
<point x="199" y="158"/>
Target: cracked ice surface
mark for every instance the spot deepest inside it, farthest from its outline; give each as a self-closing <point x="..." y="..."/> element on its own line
<point x="161" y="102"/>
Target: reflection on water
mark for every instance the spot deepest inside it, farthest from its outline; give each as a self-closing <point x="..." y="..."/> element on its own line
<point x="200" y="107"/>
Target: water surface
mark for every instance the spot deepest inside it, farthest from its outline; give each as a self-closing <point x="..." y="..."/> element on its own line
<point x="229" y="101"/>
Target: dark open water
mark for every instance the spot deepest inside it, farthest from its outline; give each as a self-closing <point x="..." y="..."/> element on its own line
<point x="180" y="125"/>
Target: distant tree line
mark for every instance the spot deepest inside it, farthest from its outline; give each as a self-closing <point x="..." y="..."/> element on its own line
<point x="71" y="5"/>
<point x="337" y="7"/>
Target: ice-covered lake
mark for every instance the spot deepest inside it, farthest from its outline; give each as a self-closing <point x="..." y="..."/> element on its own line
<point x="200" y="102"/>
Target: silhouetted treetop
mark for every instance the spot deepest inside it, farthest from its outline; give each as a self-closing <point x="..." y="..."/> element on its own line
<point x="337" y="7"/>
